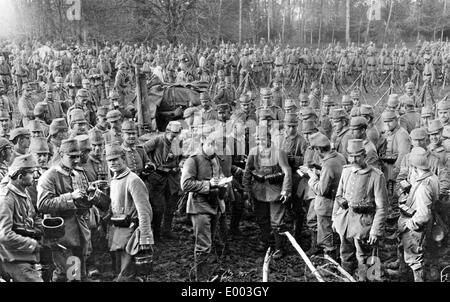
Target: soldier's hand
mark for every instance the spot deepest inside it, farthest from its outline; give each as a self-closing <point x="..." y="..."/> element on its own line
<point x="372" y="240"/>
<point x="214" y="182"/>
<point x="78" y="194"/>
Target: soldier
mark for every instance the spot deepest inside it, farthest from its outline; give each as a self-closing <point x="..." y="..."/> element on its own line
<point x="355" y="96"/>
<point x="393" y="104"/>
<point x="74" y="81"/>
<point x="41" y="117"/>
<point x="55" y="109"/>
<point x="62" y="193"/>
<point x="303" y="100"/>
<point x="58" y="131"/>
<point x="93" y="97"/>
<point x="443" y="112"/>
<point x="5" y="73"/>
<point x="371" y="67"/>
<point x="268" y="181"/>
<point x="398" y="144"/>
<point x="20" y="138"/>
<point x="267" y="104"/>
<point x="435" y="129"/>
<point x="426" y="116"/>
<point x="6" y="103"/>
<point x="82" y="103"/>
<point x="417" y="212"/>
<point x="341" y="132"/>
<point x="5" y="156"/>
<point x="325" y="120"/>
<point x="372" y="132"/>
<point x="277" y="93"/>
<point x="19" y="225"/>
<point x="359" y="210"/>
<point x="96" y="167"/>
<point x="5" y="124"/>
<point x="26" y="105"/>
<point x="358" y="128"/>
<point x="410" y="119"/>
<point x="113" y="135"/>
<point x="61" y="95"/>
<point x="200" y="179"/>
<point x="207" y="112"/>
<point x="164" y="156"/>
<point x="41" y="154"/>
<point x="347" y="104"/>
<point x="121" y="83"/>
<point x="78" y="124"/>
<point x="409" y="93"/>
<point x="290" y="106"/>
<point x="20" y="74"/>
<point x="295" y="146"/>
<point x="314" y="96"/>
<point x="131" y="214"/>
<point x="102" y="122"/>
<point x="325" y="187"/>
<point x="136" y="157"/>
<point x="246" y="117"/>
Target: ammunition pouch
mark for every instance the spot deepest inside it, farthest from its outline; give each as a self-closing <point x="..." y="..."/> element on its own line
<point x="30" y="233"/>
<point x="166" y="171"/>
<point x="275" y="178"/>
<point x="363" y="207"/>
<point x="406" y="210"/>
<point x="343" y="203"/>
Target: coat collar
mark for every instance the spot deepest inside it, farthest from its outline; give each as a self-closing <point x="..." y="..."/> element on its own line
<point x="123" y="174"/>
<point x="14" y="189"/>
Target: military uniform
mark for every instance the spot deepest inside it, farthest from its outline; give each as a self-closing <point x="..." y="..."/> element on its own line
<point x="325" y="187"/>
<point x="364" y="189"/>
<point x="339" y="140"/>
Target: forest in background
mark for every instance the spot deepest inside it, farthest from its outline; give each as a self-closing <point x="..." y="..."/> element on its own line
<point x="305" y="22"/>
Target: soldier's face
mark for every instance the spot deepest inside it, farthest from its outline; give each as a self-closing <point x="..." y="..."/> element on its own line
<point x="24" y="142"/>
<point x="419" y="143"/>
<point x="390" y="125"/>
<point x="70" y="161"/>
<point x="358" y="133"/>
<point x="410" y="90"/>
<point x="443" y="115"/>
<point x="435" y="138"/>
<point x="425" y="121"/>
<point x="4" y="125"/>
<point x="129" y="137"/>
<point x="356" y="102"/>
<point x="80" y="128"/>
<point x="116" y="125"/>
<point x="338" y="125"/>
<point x="97" y="150"/>
<point x="358" y="160"/>
<point x="245" y="107"/>
<point x="27" y="178"/>
<point x="41" y="159"/>
<point x="37" y="134"/>
<point x="291" y="130"/>
<point x="101" y="120"/>
<point x="117" y="165"/>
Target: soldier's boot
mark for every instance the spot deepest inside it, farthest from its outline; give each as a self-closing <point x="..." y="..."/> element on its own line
<point x="280" y="245"/>
<point x="314" y="249"/>
<point x="418" y="275"/>
<point x="201" y="267"/>
<point x="234" y="223"/>
<point x="362" y="273"/>
<point x="157" y="219"/>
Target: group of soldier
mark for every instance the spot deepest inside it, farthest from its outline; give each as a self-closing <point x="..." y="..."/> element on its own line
<point x="314" y="164"/>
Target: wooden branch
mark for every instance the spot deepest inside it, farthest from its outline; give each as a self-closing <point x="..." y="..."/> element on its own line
<point x="304" y="256"/>
<point x="333" y="274"/>
<point x="340" y="268"/>
<point x="267" y="259"/>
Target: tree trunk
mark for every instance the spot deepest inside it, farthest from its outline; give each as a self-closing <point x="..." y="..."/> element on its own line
<point x="347" y="23"/>
<point x="388" y="20"/>
<point x="240" y="22"/>
<point x="219" y="21"/>
<point x="444" y="12"/>
<point x="320" y="23"/>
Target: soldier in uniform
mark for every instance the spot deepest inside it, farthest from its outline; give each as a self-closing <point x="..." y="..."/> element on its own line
<point x="341" y="132"/>
<point x="398" y="144"/>
<point x="417" y="212"/>
<point x="295" y="146"/>
<point x="314" y="96"/>
<point x="435" y="129"/>
<point x="58" y="131"/>
<point x="115" y="119"/>
<point x="82" y="103"/>
<point x="62" y="193"/>
<point x="200" y="179"/>
<point x="55" y="109"/>
<point x="102" y="122"/>
<point x="347" y="104"/>
<point x="409" y="93"/>
<point x="359" y="210"/>
<point x="5" y="102"/>
<point x="129" y="198"/>
<point x="5" y="156"/>
<point x="164" y="156"/>
<point x="277" y="93"/>
<point x="443" y="112"/>
<point x="246" y="117"/>
<point x="26" y="105"/>
<point x="74" y="81"/>
<point x="268" y="182"/>
<point x="358" y="128"/>
<point x="136" y="157"/>
<point x="41" y="118"/>
<point x="5" y="73"/>
<point x="325" y="120"/>
<point x="78" y="124"/>
<point x="96" y="167"/>
<point x="372" y="132"/>
<point x="267" y="104"/>
<point x="20" y="138"/>
<point x="426" y="116"/>
<point x="20" y="225"/>
<point x="325" y="187"/>
<point x="5" y="124"/>
<point x="410" y="119"/>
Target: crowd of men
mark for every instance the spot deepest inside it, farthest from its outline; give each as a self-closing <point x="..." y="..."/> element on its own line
<point x="313" y="164"/>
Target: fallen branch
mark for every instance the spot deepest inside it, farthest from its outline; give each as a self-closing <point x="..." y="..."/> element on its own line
<point x="340" y="268"/>
<point x="305" y="258"/>
<point x="267" y="259"/>
<point x="333" y="274"/>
